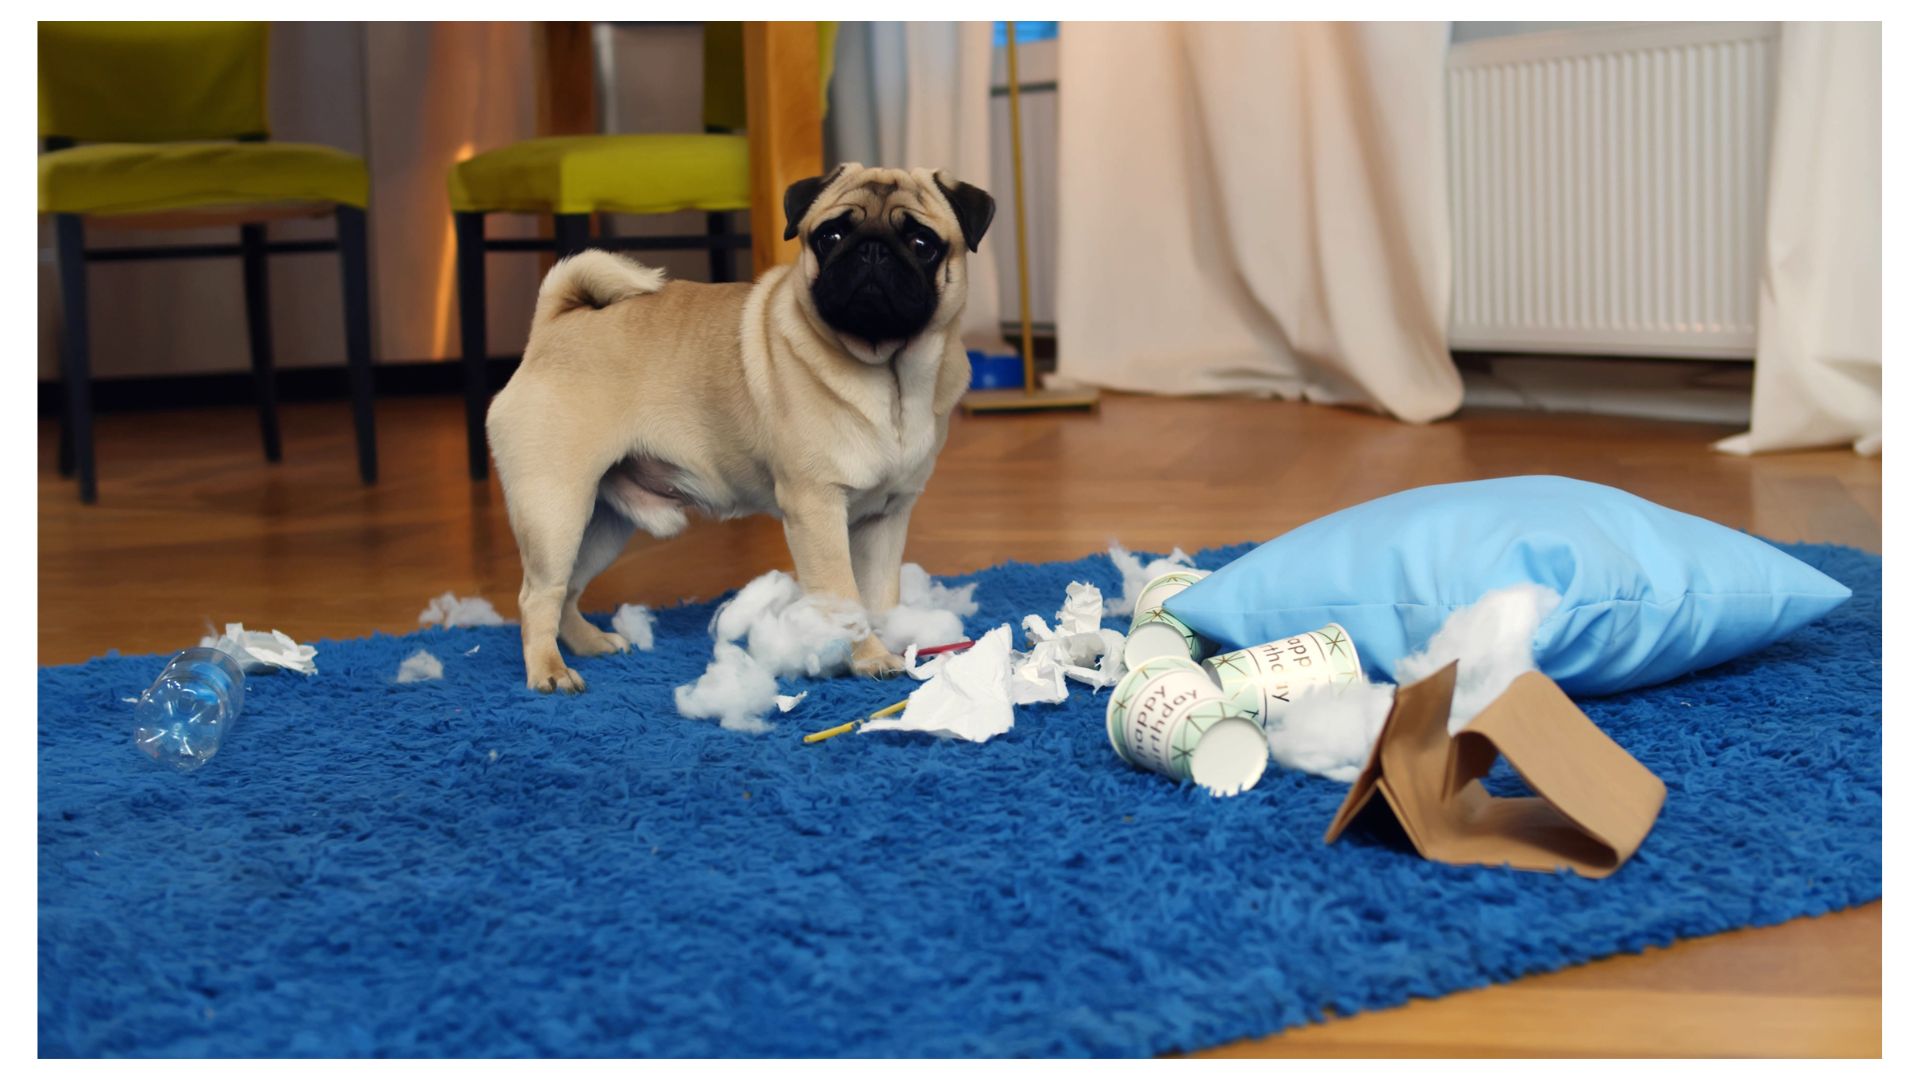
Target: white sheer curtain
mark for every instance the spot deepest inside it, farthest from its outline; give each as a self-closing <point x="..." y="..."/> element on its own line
<point x="1816" y="379"/>
<point x="914" y="94"/>
<point x="1257" y="208"/>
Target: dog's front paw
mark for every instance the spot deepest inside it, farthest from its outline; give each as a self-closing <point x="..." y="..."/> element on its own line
<point x="871" y="660"/>
<point x="552" y="675"/>
<point x="597" y="642"/>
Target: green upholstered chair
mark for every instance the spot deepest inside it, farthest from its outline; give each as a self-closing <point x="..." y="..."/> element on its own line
<point x="574" y="177"/>
<point x="165" y="124"/>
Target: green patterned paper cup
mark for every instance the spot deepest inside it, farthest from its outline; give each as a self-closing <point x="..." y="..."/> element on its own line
<point x="1167" y="716"/>
<point x="1262" y="681"/>
<point x="1159" y="589"/>
<point x="1155" y="632"/>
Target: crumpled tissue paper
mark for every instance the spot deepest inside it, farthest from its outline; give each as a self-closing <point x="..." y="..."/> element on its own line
<point x="261" y="651"/>
<point x="969" y="697"/>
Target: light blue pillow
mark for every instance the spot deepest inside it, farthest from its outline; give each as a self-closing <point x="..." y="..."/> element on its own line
<point x="1647" y="593"/>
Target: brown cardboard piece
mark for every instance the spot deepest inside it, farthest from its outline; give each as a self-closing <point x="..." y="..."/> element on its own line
<point x="1593" y="802"/>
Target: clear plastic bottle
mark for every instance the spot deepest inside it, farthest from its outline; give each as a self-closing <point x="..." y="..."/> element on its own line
<point x="183" y="715"/>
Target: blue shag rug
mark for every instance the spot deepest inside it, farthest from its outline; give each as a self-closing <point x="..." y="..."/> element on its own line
<point x="467" y="868"/>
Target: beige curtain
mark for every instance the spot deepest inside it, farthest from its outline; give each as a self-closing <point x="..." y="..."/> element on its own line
<point x="1817" y="365"/>
<point x="1258" y="209"/>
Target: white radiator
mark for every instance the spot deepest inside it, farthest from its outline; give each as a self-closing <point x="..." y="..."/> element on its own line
<point x="1607" y="188"/>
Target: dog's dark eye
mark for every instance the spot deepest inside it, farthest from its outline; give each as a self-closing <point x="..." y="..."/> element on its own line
<point x="925" y="246"/>
<point x="825" y="239"/>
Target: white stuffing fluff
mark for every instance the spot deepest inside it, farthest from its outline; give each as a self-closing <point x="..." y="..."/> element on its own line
<point x="1493" y="640"/>
<point x="918" y="589"/>
<point x="419" y="667"/>
<point x="735" y="690"/>
<point x="775" y="631"/>
<point x="929" y="613"/>
<point x="453" y="611"/>
<point x="907" y="626"/>
<point x="635" y="623"/>
<point x="1134" y="575"/>
<point x="1330" y="730"/>
<point x="786" y="631"/>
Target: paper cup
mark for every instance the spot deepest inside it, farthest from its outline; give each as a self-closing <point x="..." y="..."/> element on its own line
<point x="1155" y="632"/>
<point x="1262" y="681"/>
<point x="1160" y="588"/>
<point x="1167" y="716"/>
<point x="1158" y="635"/>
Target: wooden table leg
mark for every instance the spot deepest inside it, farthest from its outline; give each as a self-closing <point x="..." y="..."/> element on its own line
<point x="783" y="127"/>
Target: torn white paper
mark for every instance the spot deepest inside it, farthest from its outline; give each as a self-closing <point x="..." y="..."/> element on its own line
<point x="1330" y="730"/>
<point x="471" y="651"/>
<point x="259" y="651"/>
<point x="735" y="690"/>
<point x="1081" y="612"/>
<point x="635" y="623"/>
<point x="1077" y="648"/>
<point x="451" y="612"/>
<point x="1134" y="575"/>
<point x="1492" y="638"/>
<point x="786" y="702"/>
<point x="968" y="698"/>
<point x="419" y="667"/>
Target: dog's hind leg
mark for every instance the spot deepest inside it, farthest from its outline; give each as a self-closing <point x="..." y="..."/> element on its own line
<point x="550" y="515"/>
<point x="606" y="537"/>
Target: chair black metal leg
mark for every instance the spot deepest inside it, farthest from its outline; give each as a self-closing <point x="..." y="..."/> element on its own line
<point x="253" y="264"/>
<point x="66" y="440"/>
<point x="71" y="250"/>
<point x="351" y="224"/>
<point x="572" y="233"/>
<point x="470" y="264"/>
<point x="719" y="259"/>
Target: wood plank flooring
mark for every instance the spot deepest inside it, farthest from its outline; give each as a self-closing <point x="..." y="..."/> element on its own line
<point x="193" y="527"/>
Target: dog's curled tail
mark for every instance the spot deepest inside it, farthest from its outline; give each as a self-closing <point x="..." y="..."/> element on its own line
<point x="594" y="279"/>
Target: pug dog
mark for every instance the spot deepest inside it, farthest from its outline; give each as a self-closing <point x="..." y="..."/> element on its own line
<point x="819" y="394"/>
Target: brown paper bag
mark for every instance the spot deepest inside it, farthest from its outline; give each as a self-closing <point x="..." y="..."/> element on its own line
<point x="1593" y="802"/>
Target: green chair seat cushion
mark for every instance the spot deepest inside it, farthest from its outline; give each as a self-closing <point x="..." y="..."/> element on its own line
<point x="135" y="178"/>
<point x="629" y="174"/>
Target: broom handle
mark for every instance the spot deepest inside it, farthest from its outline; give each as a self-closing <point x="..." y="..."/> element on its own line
<point x="1019" y="207"/>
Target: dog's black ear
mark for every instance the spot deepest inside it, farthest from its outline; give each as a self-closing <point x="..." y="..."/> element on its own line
<point x="801" y="196"/>
<point x="972" y="207"/>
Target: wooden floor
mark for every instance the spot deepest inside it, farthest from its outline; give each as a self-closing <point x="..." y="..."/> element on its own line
<point x="192" y="527"/>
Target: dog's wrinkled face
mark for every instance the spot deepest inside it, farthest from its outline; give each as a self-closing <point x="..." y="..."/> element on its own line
<point x="884" y="249"/>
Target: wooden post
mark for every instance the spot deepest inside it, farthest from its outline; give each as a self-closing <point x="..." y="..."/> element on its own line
<point x="565" y="101"/>
<point x="783" y="128"/>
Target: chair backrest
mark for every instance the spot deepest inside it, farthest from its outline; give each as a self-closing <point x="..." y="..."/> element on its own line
<point x="152" y="81"/>
<point x="725" y="94"/>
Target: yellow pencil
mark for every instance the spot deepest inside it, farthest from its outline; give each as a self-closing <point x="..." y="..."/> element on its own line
<point x="829" y="733"/>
